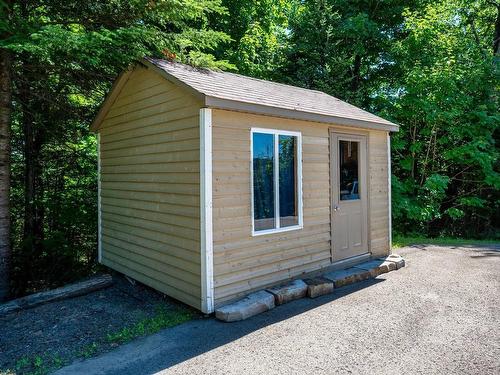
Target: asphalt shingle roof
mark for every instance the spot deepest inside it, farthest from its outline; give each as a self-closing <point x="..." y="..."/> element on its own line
<point x="239" y="88"/>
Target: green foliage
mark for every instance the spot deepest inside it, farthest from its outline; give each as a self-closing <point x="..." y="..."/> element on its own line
<point x="429" y="66"/>
<point x="163" y="318"/>
<point x="403" y="241"/>
<point x="107" y="36"/>
<point x="446" y="176"/>
<point x="39" y="364"/>
<point x="89" y="350"/>
<point x="258" y="31"/>
<point x="343" y="47"/>
<point x="66" y="55"/>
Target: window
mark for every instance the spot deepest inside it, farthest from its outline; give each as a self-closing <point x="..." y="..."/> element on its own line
<point x="276" y="181"/>
<point x="348" y="159"/>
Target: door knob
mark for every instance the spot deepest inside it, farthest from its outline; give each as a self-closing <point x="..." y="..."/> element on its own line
<point x="336" y="208"/>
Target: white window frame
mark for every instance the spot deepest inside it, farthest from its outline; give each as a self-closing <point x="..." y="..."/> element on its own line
<point x="276" y="134"/>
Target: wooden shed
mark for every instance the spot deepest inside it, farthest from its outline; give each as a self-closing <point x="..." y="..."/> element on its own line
<point x="213" y="184"/>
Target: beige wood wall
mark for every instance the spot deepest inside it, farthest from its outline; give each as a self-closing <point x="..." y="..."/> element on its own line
<point x="379" y="198"/>
<point x="150" y="186"/>
<point x="243" y="263"/>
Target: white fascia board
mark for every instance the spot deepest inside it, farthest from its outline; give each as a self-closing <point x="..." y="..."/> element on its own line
<point x="99" y="204"/>
<point x="206" y="228"/>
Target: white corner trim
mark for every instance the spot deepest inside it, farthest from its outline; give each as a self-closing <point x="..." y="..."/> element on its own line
<point x="389" y="194"/>
<point x="207" y="263"/>
<point x="99" y="215"/>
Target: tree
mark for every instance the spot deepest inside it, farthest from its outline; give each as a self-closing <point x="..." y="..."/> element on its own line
<point x="258" y="35"/>
<point x="343" y="47"/>
<point x="432" y="67"/>
<point x="5" y="118"/>
<point x="64" y="57"/>
<point x="446" y="178"/>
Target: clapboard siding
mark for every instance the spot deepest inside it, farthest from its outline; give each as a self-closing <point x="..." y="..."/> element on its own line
<point x="243" y="263"/>
<point x="150" y="185"/>
<point x="379" y="198"/>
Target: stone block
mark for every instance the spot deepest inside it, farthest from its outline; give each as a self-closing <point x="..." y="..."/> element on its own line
<point x="251" y="305"/>
<point x="348" y="276"/>
<point x="397" y="259"/>
<point x="377" y="267"/>
<point x="318" y="286"/>
<point x="288" y="292"/>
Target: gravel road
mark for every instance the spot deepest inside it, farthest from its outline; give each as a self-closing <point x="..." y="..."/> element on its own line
<point x="438" y="315"/>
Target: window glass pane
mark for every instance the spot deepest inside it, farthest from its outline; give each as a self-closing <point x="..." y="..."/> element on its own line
<point x="348" y="159"/>
<point x="288" y="181"/>
<point x="263" y="181"/>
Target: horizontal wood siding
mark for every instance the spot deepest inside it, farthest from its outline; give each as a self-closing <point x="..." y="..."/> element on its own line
<point x="379" y="198"/>
<point x="150" y="186"/>
<point x="243" y="263"/>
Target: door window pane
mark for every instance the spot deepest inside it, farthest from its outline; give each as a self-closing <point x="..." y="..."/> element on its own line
<point x="348" y="159"/>
<point x="263" y="181"/>
<point x="288" y="181"/>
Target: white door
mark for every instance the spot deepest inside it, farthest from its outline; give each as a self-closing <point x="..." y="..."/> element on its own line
<point x="349" y="195"/>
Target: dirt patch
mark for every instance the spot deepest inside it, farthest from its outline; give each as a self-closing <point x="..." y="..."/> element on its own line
<point x="49" y="336"/>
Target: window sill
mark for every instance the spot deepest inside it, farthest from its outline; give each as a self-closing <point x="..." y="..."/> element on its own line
<point x="278" y="230"/>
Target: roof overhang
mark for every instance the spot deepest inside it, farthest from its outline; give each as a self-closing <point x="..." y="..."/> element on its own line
<point x="234" y="105"/>
<point x="110" y="99"/>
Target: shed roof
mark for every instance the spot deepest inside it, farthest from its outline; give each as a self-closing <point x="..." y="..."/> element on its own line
<point x="231" y="91"/>
<point x="222" y="87"/>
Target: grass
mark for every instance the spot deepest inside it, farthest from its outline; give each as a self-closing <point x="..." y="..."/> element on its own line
<point x="44" y="363"/>
<point x="35" y="365"/>
<point x="402" y="241"/>
<point x="162" y="319"/>
<point x="89" y="350"/>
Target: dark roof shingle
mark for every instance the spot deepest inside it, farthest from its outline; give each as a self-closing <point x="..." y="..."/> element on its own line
<point x="238" y="88"/>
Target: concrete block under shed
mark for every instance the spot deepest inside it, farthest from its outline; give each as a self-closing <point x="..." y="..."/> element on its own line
<point x="377" y="267"/>
<point x="397" y="259"/>
<point x="251" y="305"/>
<point x="318" y="286"/>
<point x="349" y="276"/>
<point x="288" y="292"/>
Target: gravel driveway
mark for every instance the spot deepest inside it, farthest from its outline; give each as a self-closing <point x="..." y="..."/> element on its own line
<point x="439" y="315"/>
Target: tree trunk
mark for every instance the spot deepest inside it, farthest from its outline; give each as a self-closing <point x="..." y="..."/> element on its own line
<point x="5" y="112"/>
<point x="29" y="169"/>
<point x="356" y="71"/>
<point x="496" y="39"/>
<point x="33" y="209"/>
<point x="33" y="186"/>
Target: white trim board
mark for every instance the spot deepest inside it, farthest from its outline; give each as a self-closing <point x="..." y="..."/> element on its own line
<point x="206" y="228"/>
<point x="389" y="193"/>
<point x="99" y="204"/>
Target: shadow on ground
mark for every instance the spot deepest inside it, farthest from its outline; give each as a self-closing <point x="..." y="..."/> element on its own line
<point x="486" y="253"/>
<point x="171" y="347"/>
